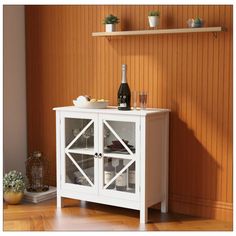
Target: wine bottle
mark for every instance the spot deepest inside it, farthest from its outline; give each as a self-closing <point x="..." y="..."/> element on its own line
<point x="132" y="176"/>
<point x="109" y="173"/>
<point x="121" y="180"/>
<point x="124" y="92"/>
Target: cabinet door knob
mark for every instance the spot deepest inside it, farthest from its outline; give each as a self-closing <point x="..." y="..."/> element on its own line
<point x="96" y="155"/>
<point x="100" y="155"/>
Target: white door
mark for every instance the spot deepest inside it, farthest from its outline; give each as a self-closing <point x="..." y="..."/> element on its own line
<point x="119" y="160"/>
<point x="79" y="144"/>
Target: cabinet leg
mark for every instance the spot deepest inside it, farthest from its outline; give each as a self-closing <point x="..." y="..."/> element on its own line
<point x="144" y="215"/>
<point x="164" y="206"/>
<point x="60" y="202"/>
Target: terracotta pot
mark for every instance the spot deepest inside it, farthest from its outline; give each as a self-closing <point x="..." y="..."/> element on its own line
<point x="12" y="197"/>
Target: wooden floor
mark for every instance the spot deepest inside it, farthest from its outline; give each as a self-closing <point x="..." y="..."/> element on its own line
<point x="79" y="215"/>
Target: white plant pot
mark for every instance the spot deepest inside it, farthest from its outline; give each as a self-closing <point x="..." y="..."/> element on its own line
<point x="110" y="27"/>
<point x="153" y="21"/>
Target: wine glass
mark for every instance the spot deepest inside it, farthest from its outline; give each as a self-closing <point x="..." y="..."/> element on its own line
<point x="92" y="130"/>
<point x="134" y="96"/>
<point x="106" y="134"/>
<point x="87" y="134"/>
<point x="76" y="131"/>
<point x="143" y="99"/>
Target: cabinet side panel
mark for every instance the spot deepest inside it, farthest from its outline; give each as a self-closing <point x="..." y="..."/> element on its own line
<point x="58" y="158"/>
<point x="154" y="156"/>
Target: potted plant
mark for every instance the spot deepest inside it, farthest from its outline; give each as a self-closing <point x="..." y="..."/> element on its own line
<point x="13" y="187"/>
<point x="153" y="17"/>
<point x="198" y="22"/>
<point x="110" y="21"/>
<point x="194" y="23"/>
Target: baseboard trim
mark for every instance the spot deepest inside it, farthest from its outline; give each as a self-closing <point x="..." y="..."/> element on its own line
<point x="201" y="207"/>
<point x="202" y="202"/>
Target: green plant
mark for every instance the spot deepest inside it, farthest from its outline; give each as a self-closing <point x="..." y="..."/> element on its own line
<point x="154" y="13"/>
<point x="14" y="182"/>
<point x="197" y="20"/>
<point x="111" y="19"/>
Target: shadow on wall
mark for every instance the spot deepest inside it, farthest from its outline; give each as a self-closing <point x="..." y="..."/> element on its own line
<point x="197" y="182"/>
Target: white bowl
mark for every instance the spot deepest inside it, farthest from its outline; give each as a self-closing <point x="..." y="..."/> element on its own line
<point x="91" y="105"/>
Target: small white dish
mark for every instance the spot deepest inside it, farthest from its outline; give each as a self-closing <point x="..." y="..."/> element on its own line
<point x="91" y="105"/>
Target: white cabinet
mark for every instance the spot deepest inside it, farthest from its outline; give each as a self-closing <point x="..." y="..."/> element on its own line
<point x="113" y="157"/>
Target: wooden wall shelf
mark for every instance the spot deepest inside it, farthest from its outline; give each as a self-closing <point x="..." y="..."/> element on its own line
<point x="159" y="31"/>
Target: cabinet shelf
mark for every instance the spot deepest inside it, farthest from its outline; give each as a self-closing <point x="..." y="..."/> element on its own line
<point x="117" y="155"/>
<point x="159" y="31"/>
<point x="86" y="151"/>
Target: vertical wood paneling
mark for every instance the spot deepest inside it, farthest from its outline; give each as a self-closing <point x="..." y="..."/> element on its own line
<point x="189" y="73"/>
<point x="230" y="107"/>
<point x="204" y="153"/>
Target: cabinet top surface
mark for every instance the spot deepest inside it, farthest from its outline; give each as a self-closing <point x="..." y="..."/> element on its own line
<point x="113" y="110"/>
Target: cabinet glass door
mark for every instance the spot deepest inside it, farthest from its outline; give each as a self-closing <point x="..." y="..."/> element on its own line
<point x="119" y="164"/>
<point x="78" y="145"/>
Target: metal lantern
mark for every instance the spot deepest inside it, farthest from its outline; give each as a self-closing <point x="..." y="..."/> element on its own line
<point x="37" y="173"/>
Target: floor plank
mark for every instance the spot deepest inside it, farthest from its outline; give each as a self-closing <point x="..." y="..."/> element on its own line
<point x="87" y="216"/>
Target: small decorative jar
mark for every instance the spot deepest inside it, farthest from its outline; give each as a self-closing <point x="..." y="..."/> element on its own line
<point x="37" y="173"/>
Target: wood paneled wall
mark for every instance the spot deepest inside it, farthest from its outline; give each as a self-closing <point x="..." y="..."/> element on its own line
<point x="189" y="73"/>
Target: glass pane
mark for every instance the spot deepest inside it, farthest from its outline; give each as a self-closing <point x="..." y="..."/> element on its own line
<point x="73" y="127"/>
<point x="125" y="131"/>
<point x="74" y="175"/>
<point x="125" y="181"/>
